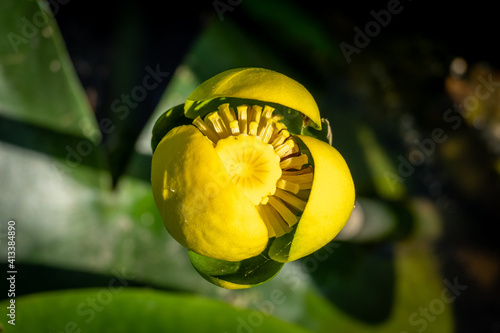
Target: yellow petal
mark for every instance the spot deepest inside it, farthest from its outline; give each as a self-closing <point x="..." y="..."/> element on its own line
<point x="330" y="203"/>
<point x="258" y="84"/>
<point x="199" y="204"/>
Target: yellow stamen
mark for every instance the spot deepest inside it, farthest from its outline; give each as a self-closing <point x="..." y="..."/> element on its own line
<point x="227" y="114"/>
<point x="282" y="136"/>
<point x="306" y="186"/>
<point x="299" y="177"/>
<point x="286" y="148"/>
<point x="309" y="169"/>
<point x="267" y="131"/>
<point x="303" y="194"/>
<point x="265" y="217"/>
<point x="280" y="126"/>
<point x="207" y="131"/>
<point x="219" y="126"/>
<point x="291" y="199"/>
<point x="253" y="128"/>
<point x="268" y="112"/>
<point x="275" y="220"/>
<point x="235" y="127"/>
<point x="294" y="150"/>
<point x="265" y="116"/>
<point x="278" y="117"/>
<point x="288" y="186"/>
<point x="255" y="113"/>
<point x="294" y="162"/>
<point x="242" y="118"/>
<point x="209" y="123"/>
<point x="283" y="210"/>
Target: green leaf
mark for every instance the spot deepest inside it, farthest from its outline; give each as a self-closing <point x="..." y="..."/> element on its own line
<point x="292" y="26"/>
<point x="215" y="51"/>
<point x="38" y="84"/>
<point x="116" y="309"/>
<point x="385" y="176"/>
<point x="236" y="275"/>
<point x="43" y="107"/>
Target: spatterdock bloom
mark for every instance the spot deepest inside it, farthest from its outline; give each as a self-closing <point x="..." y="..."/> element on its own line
<point x="236" y="178"/>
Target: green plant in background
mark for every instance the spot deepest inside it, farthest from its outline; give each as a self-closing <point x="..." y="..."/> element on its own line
<point x="241" y="188"/>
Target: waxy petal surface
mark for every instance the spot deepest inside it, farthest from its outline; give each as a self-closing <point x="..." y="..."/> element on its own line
<point x="257" y="84"/>
<point x="329" y="206"/>
<point x="199" y="204"/>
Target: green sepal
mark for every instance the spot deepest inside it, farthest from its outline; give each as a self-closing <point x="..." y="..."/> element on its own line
<point x="325" y="134"/>
<point x="169" y="119"/>
<point x="236" y="274"/>
<point x="280" y="248"/>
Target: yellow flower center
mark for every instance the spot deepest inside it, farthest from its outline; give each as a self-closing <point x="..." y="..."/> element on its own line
<point x="263" y="160"/>
<point x="252" y="165"/>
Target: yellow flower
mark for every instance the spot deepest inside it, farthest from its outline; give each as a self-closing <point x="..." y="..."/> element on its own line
<point x="234" y="178"/>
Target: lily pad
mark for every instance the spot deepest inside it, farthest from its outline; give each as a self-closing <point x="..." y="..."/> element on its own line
<point x="118" y="309"/>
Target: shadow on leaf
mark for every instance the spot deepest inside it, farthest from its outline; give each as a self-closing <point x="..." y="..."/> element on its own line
<point x="359" y="280"/>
